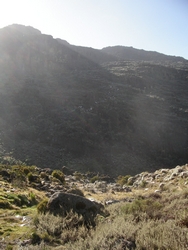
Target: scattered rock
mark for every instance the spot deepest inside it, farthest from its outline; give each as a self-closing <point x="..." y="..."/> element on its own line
<point x="184" y="174"/>
<point x="157" y="191"/>
<point x="127" y="188"/>
<point x="161" y="186"/>
<point x="109" y="202"/>
<point x="101" y="186"/>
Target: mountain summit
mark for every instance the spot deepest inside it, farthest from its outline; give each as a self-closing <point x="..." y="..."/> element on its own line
<point x="116" y="111"/>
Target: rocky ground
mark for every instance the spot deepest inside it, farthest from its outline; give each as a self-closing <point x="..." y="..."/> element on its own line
<point x="22" y="188"/>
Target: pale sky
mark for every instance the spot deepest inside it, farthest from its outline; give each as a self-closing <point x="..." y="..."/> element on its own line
<point x="156" y="25"/>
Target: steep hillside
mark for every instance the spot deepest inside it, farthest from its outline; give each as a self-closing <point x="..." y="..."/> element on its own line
<point x="59" y="107"/>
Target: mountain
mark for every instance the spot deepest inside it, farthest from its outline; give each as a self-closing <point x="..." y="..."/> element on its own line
<point x="130" y="53"/>
<point x="91" y="110"/>
<point x="94" y="55"/>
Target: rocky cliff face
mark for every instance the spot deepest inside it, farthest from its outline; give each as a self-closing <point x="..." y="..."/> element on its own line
<point x="75" y="106"/>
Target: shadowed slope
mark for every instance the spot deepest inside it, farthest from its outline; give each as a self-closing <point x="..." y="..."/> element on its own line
<point x="57" y="107"/>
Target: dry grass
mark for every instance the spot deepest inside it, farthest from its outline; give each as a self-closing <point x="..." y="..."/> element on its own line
<point x="144" y="219"/>
<point x="155" y="221"/>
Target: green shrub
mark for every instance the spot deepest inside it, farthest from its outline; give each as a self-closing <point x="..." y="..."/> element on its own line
<point x="44" y="175"/>
<point x="59" y="175"/>
<point x="5" y="204"/>
<point x="30" y="177"/>
<point x="42" y="206"/>
<point x="14" y="199"/>
<point x="78" y="176"/>
<point x="37" y="246"/>
<point x="24" y="200"/>
<point x="17" y="170"/>
<point x="143" y="184"/>
<point x="18" y="178"/>
<point x="46" y="237"/>
<point x="33" y="178"/>
<point x="35" y="238"/>
<point x="32" y="198"/>
<point x="26" y="170"/>
<point x="9" y="247"/>
<point x="94" y="178"/>
<point x="122" y="180"/>
<point x="148" y="206"/>
<point x="185" y="194"/>
<point x="18" y="199"/>
<point x="62" y="229"/>
<point x="161" y="235"/>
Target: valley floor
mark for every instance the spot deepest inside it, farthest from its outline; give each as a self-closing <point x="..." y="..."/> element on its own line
<point x="146" y="211"/>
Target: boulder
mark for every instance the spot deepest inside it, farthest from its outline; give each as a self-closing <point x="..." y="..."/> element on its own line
<point x="127" y="188"/>
<point x="62" y="203"/>
<point x="184" y="174"/>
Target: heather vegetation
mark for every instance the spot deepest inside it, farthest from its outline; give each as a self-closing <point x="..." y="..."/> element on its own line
<point x="134" y="216"/>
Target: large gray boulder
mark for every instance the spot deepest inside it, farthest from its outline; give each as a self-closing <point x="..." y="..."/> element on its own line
<point x="62" y="203"/>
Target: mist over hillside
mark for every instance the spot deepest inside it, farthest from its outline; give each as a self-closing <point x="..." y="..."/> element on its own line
<point x="118" y="110"/>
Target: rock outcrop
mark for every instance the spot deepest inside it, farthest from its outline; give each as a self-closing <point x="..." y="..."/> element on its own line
<point x="62" y="203"/>
<point x="161" y="177"/>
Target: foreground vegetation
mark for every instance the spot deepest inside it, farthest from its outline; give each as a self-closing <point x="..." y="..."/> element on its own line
<point x="143" y="219"/>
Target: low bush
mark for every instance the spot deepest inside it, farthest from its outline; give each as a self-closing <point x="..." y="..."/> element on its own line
<point x="51" y="228"/>
<point x="44" y="176"/>
<point x="143" y="184"/>
<point x="148" y="206"/>
<point x="94" y="178"/>
<point x="42" y="206"/>
<point x="185" y="194"/>
<point x="59" y="175"/>
<point x="123" y="180"/>
<point x="35" y="238"/>
<point x="18" y="180"/>
<point x="78" y="176"/>
<point x="32" y="198"/>
<point x="5" y="204"/>
<point x="33" y="177"/>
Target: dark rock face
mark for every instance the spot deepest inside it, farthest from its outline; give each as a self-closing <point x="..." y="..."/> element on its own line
<point x="62" y="203"/>
<point x="91" y="110"/>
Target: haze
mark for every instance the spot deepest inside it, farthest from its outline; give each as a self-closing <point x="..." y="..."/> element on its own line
<point x="156" y="25"/>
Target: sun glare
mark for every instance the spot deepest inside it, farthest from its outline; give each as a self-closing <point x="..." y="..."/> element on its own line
<point x="20" y="12"/>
